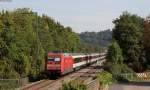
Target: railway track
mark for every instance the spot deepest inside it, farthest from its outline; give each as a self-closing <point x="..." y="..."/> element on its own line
<point x="82" y="74"/>
<point x="88" y="76"/>
<point x="79" y="75"/>
<point x="36" y="85"/>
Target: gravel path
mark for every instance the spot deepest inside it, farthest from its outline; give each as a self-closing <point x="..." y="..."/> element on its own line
<point x="116" y="87"/>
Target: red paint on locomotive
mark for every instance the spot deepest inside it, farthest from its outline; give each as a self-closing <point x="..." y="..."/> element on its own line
<point x="58" y="63"/>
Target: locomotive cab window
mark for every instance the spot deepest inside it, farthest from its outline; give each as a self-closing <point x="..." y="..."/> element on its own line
<point x="50" y="59"/>
<point x="54" y="59"/>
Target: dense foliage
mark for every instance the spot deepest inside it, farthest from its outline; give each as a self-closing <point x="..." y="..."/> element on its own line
<point x="25" y="38"/>
<point x="146" y="38"/>
<point x="114" y="53"/>
<point x="114" y="62"/>
<point x="101" y="38"/>
<point x="128" y="34"/>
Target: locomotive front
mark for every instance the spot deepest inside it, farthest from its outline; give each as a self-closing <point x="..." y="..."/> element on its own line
<point x="53" y="64"/>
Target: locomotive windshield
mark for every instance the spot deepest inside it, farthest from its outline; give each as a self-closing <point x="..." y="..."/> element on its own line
<point x="54" y="59"/>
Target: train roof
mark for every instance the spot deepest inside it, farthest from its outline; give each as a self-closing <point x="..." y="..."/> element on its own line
<point x="78" y="55"/>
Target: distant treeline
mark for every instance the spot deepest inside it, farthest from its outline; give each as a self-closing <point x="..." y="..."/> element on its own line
<point x="101" y="38"/>
<point x="26" y="37"/>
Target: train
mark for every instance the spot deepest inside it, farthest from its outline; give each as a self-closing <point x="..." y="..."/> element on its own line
<point x="58" y="64"/>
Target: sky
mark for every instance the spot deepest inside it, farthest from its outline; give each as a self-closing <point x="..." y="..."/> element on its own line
<point x="82" y="15"/>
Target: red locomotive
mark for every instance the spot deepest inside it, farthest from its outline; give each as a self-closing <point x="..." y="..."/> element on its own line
<point x="62" y="63"/>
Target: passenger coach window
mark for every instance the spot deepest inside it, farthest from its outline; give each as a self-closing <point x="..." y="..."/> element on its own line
<point x="76" y="60"/>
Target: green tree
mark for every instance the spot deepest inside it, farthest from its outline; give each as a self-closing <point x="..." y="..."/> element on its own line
<point x="146" y="38"/>
<point x="114" y="59"/>
<point x="114" y="53"/>
<point x="128" y="34"/>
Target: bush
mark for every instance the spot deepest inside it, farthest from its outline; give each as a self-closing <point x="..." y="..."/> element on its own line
<point x="6" y="71"/>
<point x="117" y="68"/>
<point x="73" y="85"/>
<point x="105" y="78"/>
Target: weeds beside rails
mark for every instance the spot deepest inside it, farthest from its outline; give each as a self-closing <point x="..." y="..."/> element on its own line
<point x="73" y="85"/>
<point x="105" y="78"/>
